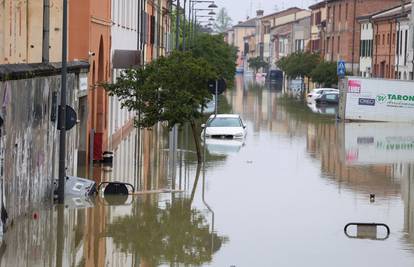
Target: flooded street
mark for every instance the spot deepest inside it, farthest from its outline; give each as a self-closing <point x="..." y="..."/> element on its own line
<point x="281" y="197"/>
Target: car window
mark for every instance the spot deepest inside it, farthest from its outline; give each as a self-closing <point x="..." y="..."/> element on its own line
<point x="224" y="122"/>
<point x="331" y="96"/>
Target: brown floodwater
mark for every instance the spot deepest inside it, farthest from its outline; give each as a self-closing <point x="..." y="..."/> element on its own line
<point x="281" y="197"/>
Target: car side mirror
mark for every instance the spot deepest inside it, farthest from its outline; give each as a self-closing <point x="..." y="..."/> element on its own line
<point x="203" y="126"/>
<point x="244" y="125"/>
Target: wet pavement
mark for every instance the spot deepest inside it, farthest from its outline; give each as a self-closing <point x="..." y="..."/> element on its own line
<point x="281" y="197"/>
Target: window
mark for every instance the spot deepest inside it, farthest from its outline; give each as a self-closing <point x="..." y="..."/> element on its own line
<point x="388" y="38"/>
<point x="401" y="42"/>
<point x="318" y="18"/>
<point x="331" y="96"/>
<point x="398" y="42"/>
<point x="340" y="11"/>
<point x="383" y="39"/>
<point x="346" y="11"/>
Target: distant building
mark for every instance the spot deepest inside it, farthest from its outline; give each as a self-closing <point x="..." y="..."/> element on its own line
<point x="391" y="31"/>
<point x="318" y="24"/>
<point x="342" y="38"/>
<point x="269" y="43"/>
<point x="241" y="30"/>
<point x="290" y="33"/>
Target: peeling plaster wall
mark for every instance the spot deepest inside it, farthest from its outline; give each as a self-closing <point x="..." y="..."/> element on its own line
<point x="30" y="140"/>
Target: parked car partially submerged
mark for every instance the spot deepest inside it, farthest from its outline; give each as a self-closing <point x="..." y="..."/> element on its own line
<point x="327" y="98"/>
<point x="315" y="93"/>
<point x="224" y="126"/>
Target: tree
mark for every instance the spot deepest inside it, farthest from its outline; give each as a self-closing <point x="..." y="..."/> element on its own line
<point x="325" y="74"/>
<point x="299" y="64"/>
<point x="223" y="21"/>
<point x="257" y="63"/>
<point x="220" y="55"/>
<point x="169" y="89"/>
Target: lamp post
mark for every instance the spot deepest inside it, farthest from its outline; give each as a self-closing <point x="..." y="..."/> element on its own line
<point x="62" y="107"/>
<point x="211" y="6"/>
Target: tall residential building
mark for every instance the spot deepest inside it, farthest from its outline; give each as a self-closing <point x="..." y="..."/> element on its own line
<point x="342" y="38"/>
<point x="22" y="31"/>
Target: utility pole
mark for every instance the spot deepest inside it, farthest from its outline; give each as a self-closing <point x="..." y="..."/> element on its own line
<point x="62" y="108"/>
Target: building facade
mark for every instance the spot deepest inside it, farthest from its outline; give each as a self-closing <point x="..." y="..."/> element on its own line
<point x="241" y="30"/>
<point x="366" y="46"/>
<point x="342" y="38"/>
<point x="22" y="34"/>
<point x="90" y="40"/>
<point x="318" y="23"/>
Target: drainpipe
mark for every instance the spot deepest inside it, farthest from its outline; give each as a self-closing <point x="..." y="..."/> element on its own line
<point x="46" y="23"/>
<point x="353" y="38"/>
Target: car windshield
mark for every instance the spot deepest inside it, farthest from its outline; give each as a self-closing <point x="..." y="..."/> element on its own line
<point x="224" y="122"/>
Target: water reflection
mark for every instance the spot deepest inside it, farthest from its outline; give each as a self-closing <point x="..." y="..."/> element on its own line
<point x="172" y="233"/>
<point x="281" y="198"/>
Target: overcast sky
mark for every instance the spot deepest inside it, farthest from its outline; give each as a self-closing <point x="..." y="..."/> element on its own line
<point x="239" y="9"/>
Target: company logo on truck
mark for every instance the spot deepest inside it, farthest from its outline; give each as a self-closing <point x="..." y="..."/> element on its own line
<point x="396" y="100"/>
<point x="366" y="102"/>
<point x="381" y="98"/>
<point x="354" y="87"/>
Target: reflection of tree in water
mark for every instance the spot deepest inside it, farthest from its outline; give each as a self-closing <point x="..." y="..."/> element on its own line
<point x="174" y="234"/>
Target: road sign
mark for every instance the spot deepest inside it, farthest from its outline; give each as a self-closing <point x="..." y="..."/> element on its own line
<point x="221" y="86"/>
<point x="341" y="69"/>
<point x="71" y="118"/>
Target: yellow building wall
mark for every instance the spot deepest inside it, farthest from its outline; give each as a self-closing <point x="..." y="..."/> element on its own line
<point x="21" y="31"/>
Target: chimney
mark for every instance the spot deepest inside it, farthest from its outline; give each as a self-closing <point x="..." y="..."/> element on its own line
<point x="259" y="13"/>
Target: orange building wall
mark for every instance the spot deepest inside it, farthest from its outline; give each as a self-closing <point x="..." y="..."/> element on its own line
<point x="384" y="49"/>
<point x="90" y="31"/>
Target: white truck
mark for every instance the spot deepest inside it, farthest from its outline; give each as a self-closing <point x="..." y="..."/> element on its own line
<point x="367" y="99"/>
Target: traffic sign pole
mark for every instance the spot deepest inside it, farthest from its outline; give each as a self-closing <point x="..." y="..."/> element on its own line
<point x="216" y="98"/>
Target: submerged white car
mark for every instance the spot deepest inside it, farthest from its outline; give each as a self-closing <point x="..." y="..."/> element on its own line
<point x="224" y="126"/>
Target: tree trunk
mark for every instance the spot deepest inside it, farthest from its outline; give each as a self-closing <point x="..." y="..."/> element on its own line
<point x="196" y="141"/>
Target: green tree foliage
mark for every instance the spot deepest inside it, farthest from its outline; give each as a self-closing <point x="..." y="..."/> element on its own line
<point x="169" y="89"/>
<point x="223" y="21"/>
<point x="221" y="56"/>
<point x="325" y="74"/>
<point x="257" y="63"/>
<point x="299" y="64"/>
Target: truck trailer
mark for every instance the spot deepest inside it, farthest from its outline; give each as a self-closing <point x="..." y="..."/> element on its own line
<point x="368" y="99"/>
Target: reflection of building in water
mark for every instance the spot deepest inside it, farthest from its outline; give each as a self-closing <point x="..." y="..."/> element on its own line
<point x="259" y="105"/>
<point x="324" y="143"/>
